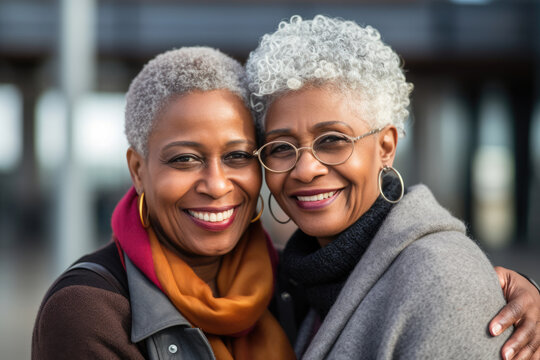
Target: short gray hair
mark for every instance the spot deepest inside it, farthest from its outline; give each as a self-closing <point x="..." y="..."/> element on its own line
<point x="330" y="51"/>
<point x="176" y="73"/>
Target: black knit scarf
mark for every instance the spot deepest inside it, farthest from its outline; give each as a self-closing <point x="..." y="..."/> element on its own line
<point x="323" y="271"/>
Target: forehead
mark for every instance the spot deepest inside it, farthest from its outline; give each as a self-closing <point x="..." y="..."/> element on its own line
<point x="305" y="109"/>
<point x="212" y="114"/>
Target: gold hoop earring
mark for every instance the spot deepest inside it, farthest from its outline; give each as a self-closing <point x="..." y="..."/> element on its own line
<point x="260" y="212"/>
<point x="272" y="213"/>
<point x="386" y="169"/>
<point x="141" y="210"/>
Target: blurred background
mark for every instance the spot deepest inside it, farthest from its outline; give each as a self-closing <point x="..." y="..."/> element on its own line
<point x="474" y="134"/>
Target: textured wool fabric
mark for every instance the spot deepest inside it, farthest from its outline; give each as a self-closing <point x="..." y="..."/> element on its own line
<point x="422" y="290"/>
<point x="323" y="271"/>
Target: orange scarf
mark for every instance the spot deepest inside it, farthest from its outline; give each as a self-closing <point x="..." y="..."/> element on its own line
<point x="237" y="324"/>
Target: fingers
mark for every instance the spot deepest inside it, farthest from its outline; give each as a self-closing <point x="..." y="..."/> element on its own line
<point x="528" y="353"/>
<point x="522" y="311"/>
<point x="509" y="315"/>
<point x="522" y="344"/>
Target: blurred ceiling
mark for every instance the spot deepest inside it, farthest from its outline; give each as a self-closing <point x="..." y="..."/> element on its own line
<point x="461" y="38"/>
<point x="416" y="29"/>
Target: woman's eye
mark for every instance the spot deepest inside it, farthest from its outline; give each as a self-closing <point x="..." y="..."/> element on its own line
<point x="238" y="158"/>
<point x="332" y="138"/>
<point x="185" y="160"/>
<point x="280" y="148"/>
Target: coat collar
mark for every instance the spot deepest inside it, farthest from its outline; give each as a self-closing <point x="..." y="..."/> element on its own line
<point x="416" y="215"/>
<point x="151" y="310"/>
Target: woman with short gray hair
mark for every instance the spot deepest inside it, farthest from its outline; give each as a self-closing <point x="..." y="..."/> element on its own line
<point x="189" y="271"/>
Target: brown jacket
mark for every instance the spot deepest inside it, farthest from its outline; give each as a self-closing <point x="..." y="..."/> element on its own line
<point x="86" y="316"/>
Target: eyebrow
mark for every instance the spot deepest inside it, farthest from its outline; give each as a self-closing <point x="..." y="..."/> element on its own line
<point x="182" y="143"/>
<point x="324" y="124"/>
<point x="278" y="131"/>
<point x="199" y="145"/>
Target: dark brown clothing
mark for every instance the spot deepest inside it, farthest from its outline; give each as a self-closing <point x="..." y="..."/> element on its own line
<point x="84" y="317"/>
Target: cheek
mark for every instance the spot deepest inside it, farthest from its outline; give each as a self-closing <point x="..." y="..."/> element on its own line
<point x="171" y="186"/>
<point x="274" y="182"/>
<point x="365" y="164"/>
<point x="362" y="173"/>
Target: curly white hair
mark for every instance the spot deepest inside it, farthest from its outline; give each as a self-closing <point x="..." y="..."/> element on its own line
<point x="330" y="52"/>
<point x="175" y="73"/>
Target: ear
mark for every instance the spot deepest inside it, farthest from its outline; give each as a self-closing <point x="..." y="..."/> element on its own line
<point x="136" y="165"/>
<point x="388" y="138"/>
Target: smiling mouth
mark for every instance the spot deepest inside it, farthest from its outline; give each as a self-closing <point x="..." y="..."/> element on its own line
<point x="212" y="217"/>
<point x="311" y="201"/>
<point x="316" y="197"/>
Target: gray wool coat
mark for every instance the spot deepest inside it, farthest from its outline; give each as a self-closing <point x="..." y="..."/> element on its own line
<point x="422" y="290"/>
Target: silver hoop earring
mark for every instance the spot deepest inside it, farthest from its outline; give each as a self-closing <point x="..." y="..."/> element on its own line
<point x="386" y="169"/>
<point x="272" y="213"/>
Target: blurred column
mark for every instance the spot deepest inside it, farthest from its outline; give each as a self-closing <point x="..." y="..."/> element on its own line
<point x="30" y="205"/>
<point x="533" y="225"/>
<point x="522" y="108"/>
<point x="77" y="71"/>
<point x="443" y="138"/>
<point x="493" y="171"/>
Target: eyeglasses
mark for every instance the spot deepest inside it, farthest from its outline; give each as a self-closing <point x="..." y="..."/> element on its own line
<point x="331" y="148"/>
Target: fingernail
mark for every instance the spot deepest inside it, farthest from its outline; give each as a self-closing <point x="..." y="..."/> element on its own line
<point x="508" y="354"/>
<point x="496" y="329"/>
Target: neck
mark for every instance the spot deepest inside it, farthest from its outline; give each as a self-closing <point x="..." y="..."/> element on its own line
<point x="205" y="267"/>
<point x="208" y="274"/>
<point x="325" y="240"/>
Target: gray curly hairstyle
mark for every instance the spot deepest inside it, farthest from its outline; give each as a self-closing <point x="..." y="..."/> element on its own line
<point x="175" y="73"/>
<point x="330" y="52"/>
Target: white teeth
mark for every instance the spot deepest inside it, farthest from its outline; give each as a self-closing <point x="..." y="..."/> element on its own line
<point x="316" y="197"/>
<point x="211" y="216"/>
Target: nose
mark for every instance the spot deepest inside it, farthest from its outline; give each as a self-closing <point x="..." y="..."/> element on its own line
<point x="215" y="182"/>
<point x="308" y="167"/>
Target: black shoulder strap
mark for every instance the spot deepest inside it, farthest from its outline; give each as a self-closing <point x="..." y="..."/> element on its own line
<point x="101" y="271"/>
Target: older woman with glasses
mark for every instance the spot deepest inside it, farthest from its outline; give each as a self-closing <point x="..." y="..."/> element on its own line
<point x="387" y="271"/>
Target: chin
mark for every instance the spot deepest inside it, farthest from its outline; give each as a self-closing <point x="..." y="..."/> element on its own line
<point x="219" y="251"/>
<point x="320" y="228"/>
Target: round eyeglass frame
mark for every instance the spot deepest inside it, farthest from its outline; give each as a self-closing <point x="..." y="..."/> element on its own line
<point x="297" y="149"/>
